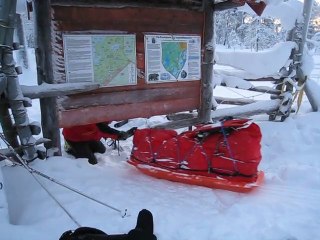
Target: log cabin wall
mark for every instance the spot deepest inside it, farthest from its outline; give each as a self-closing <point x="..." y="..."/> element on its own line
<point x="125" y="17"/>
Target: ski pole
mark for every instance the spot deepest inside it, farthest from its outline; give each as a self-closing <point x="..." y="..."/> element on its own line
<point x="31" y="170"/>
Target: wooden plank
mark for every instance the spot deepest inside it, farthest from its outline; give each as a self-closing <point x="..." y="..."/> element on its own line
<point x="117" y="113"/>
<point x="128" y="97"/>
<point x="189" y="4"/>
<point x="135" y="20"/>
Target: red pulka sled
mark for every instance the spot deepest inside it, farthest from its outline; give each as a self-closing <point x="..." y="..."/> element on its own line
<point x="222" y="157"/>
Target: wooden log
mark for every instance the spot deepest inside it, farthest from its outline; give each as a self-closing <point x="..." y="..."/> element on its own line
<point x="6" y="123"/>
<point x="234" y="101"/>
<point x="207" y="64"/>
<point x="95" y="114"/>
<point x="49" y="109"/>
<point x="22" y="41"/>
<point x="262" y="89"/>
<point x="121" y="98"/>
<point x="54" y="90"/>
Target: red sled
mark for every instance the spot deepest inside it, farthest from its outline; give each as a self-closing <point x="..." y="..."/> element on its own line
<point x="222" y="157"/>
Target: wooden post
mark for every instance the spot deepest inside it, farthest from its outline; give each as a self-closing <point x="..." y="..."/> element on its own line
<point x="307" y="8"/>
<point x="49" y="109"/>
<point x="13" y="94"/>
<point x="6" y="122"/>
<point x="22" y="40"/>
<point x="207" y="65"/>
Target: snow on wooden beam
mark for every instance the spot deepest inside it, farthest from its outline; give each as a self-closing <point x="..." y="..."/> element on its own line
<point x="53" y="90"/>
<point x="233" y="101"/>
<point x="262" y="63"/>
<point x="241" y="111"/>
<point x="262" y="89"/>
<point x="247" y="110"/>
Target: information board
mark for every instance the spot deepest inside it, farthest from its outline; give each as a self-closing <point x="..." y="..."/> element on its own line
<point x="172" y="58"/>
<point x="106" y="59"/>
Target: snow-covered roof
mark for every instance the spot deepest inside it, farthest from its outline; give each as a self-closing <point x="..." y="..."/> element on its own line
<point x="256" y="6"/>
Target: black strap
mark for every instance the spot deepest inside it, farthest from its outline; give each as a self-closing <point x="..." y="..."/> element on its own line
<point x="104" y="127"/>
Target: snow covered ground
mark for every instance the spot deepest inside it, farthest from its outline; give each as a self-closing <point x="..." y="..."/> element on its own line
<point x="285" y="207"/>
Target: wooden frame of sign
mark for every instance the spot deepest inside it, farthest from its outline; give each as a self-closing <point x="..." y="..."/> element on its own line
<point x="75" y="40"/>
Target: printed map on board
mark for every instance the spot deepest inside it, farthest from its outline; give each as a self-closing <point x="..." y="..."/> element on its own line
<point x="174" y="57"/>
<point x="114" y="59"/>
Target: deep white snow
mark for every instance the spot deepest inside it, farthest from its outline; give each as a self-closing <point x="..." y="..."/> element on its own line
<point x="284" y="207"/>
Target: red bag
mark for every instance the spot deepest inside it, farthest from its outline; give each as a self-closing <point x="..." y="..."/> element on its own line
<point x="232" y="148"/>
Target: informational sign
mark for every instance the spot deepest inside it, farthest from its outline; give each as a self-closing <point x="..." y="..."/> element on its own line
<point x="106" y="59"/>
<point x="172" y="58"/>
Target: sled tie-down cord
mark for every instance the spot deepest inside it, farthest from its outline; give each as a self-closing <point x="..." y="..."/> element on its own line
<point x="35" y="172"/>
<point x="225" y="131"/>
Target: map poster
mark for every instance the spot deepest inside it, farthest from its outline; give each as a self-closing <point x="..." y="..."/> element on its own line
<point x="106" y="59"/>
<point x="172" y="58"/>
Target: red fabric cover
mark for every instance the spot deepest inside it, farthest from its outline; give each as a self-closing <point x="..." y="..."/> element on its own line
<point x="169" y="150"/>
<point x="89" y="132"/>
